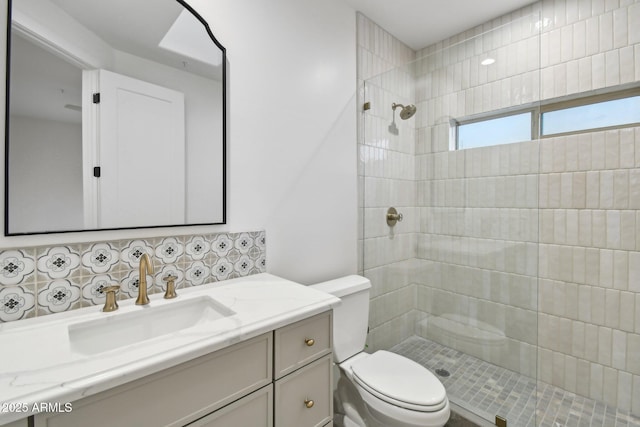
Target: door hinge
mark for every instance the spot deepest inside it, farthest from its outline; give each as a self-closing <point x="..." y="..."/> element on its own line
<point x="96" y="171"/>
<point x="500" y="421"/>
<point x="96" y="98"/>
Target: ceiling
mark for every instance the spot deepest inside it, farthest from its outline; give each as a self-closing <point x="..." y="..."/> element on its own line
<point x="133" y="27"/>
<point x="420" y="23"/>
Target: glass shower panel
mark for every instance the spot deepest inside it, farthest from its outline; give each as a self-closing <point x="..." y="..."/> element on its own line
<point x="387" y="165"/>
<point x="455" y="283"/>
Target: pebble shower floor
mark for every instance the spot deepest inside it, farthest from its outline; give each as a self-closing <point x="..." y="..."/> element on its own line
<point x="487" y="390"/>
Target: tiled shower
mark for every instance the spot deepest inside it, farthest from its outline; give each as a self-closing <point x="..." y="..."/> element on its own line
<point x="516" y="267"/>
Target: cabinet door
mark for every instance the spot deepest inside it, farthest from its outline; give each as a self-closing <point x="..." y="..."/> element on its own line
<point x="295" y="392"/>
<point x="255" y="410"/>
<point x="178" y="395"/>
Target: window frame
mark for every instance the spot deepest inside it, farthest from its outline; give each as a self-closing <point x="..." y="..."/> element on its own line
<point x="539" y="108"/>
<point x="588" y="100"/>
<point x="507" y="112"/>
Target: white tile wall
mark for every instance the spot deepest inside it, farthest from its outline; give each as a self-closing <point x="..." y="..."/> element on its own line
<point x="473" y="219"/>
<point x="587" y="189"/>
<point x="388" y="169"/>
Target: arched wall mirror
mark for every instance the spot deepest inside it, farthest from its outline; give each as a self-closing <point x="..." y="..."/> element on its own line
<point x="115" y="116"/>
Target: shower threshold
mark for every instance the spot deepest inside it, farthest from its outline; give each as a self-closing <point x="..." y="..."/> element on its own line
<point x="488" y="390"/>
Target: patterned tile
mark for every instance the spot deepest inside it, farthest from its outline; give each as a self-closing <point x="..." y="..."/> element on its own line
<point x="16" y="267"/>
<point x="169" y="250"/>
<point x="159" y="285"/>
<point x="133" y="250"/>
<point x="233" y="255"/>
<point x="58" y="262"/>
<point x="487" y="390"/>
<point x="221" y="245"/>
<point x="17" y="302"/>
<point x="100" y="258"/>
<point x="197" y="273"/>
<point x="234" y="275"/>
<point x="260" y="239"/>
<point x="243" y="243"/>
<point x="129" y="284"/>
<point x="243" y="266"/>
<point x="259" y="256"/>
<point x="58" y="295"/>
<point x="92" y="289"/>
<point x="197" y="248"/>
<point x="43" y="280"/>
<point x="261" y="264"/>
<point x="254" y="252"/>
<point x="221" y="269"/>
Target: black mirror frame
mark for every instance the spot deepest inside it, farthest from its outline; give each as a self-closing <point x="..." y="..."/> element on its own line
<point x="224" y="136"/>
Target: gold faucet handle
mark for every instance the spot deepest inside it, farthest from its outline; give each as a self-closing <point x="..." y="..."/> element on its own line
<point x="110" y="292"/>
<point x="171" y="286"/>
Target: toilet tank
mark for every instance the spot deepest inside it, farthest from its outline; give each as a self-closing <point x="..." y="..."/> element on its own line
<point x="351" y="318"/>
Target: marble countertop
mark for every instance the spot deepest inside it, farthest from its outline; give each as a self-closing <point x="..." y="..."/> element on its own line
<point x="38" y="365"/>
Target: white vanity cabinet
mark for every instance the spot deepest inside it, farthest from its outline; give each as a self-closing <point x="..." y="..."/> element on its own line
<point x="280" y="378"/>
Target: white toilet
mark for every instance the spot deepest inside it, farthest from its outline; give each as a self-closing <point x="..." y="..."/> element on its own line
<point x="383" y="388"/>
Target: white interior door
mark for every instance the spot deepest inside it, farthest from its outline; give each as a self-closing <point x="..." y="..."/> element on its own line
<point x="140" y="135"/>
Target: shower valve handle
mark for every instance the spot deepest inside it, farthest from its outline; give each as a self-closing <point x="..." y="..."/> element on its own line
<point x="393" y="217"/>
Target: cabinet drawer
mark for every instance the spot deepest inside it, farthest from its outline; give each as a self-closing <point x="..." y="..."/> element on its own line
<point x="300" y="343"/>
<point x="177" y="395"/>
<point x="255" y="410"/>
<point x="312" y="382"/>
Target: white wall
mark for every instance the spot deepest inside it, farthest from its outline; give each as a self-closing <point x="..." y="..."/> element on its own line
<point x="291" y="161"/>
<point x="40" y="150"/>
<point x="292" y="129"/>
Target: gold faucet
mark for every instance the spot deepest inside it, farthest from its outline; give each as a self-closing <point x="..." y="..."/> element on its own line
<point x="170" y="293"/>
<point x="110" y="303"/>
<point x="145" y="267"/>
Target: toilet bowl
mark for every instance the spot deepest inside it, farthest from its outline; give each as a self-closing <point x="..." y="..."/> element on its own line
<point x="397" y="391"/>
<point x="382" y="388"/>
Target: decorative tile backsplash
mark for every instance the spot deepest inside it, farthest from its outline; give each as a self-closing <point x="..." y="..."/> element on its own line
<point x="38" y="281"/>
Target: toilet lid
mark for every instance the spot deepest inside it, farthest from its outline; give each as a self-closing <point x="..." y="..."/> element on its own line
<point x="399" y="379"/>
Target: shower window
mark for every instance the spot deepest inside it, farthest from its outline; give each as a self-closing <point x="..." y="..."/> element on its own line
<point x="495" y="131"/>
<point x="555" y="117"/>
<point x="590" y="113"/>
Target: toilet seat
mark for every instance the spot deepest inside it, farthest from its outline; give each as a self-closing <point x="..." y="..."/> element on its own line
<point x="399" y="381"/>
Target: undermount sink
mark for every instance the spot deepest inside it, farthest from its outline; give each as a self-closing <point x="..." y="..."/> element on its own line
<point x="120" y="330"/>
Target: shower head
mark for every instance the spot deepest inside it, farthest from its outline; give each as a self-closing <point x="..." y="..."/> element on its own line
<point x="406" y="112"/>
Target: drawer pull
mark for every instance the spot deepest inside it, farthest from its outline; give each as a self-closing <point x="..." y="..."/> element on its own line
<point x="308" y="403"/>
<point x="309" y="341"/>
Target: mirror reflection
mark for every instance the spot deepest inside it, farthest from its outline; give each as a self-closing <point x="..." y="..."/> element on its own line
<point x="115" y="118"/>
